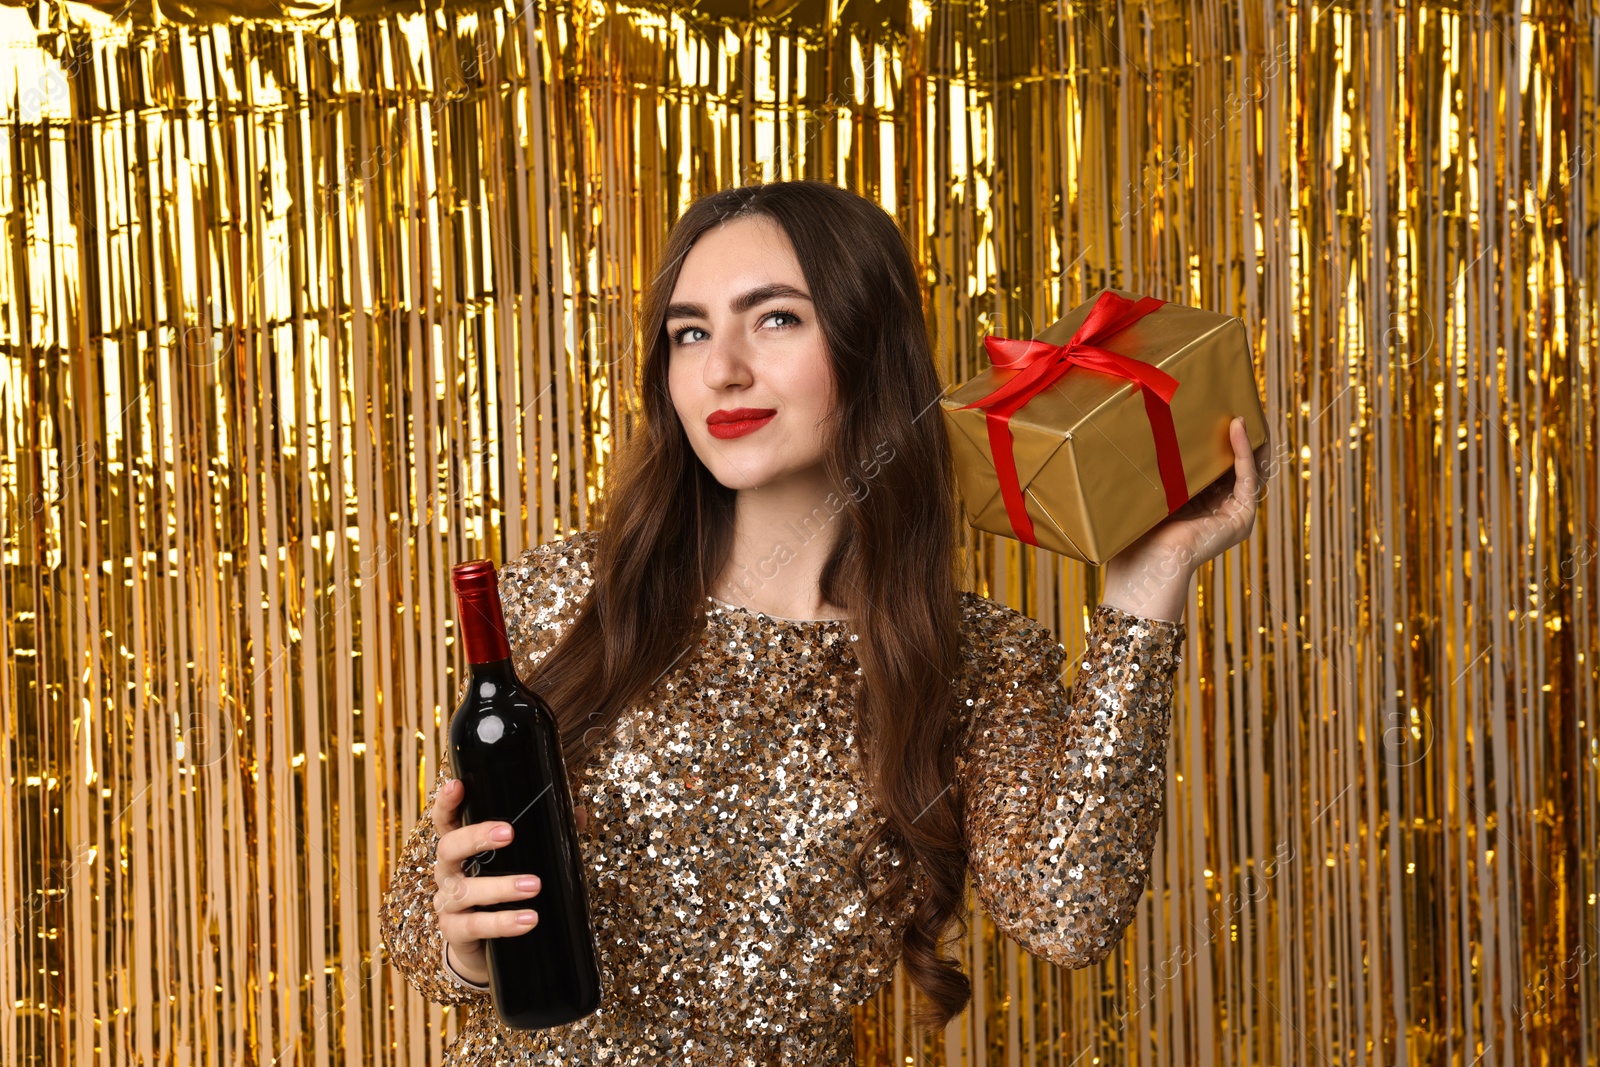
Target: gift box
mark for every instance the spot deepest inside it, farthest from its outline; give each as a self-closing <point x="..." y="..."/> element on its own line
<point x="1085" y="437"/>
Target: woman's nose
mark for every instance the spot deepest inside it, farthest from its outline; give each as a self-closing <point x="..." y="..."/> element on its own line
<point x="727" y="362"/>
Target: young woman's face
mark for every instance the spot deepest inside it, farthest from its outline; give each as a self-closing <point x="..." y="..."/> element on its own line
<point x="743" y="340"/>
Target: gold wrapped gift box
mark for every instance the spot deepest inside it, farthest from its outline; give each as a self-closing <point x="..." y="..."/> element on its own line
<point x="1085" y="447"/>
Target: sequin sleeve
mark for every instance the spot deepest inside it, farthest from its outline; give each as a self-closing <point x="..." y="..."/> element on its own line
<point x="1063" y="794"/>
<point x="540" y="591"/>
<point x="410" y="926"/>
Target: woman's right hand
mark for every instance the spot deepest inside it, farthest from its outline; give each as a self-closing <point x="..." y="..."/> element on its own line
<point x="465" y="927"/>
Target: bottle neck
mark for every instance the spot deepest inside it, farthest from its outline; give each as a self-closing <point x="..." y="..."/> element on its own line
<point x="483" y="623"/>
<point x="493" y="670"/>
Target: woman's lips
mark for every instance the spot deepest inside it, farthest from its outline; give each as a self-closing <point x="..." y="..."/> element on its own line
<point x="725" y="430"/>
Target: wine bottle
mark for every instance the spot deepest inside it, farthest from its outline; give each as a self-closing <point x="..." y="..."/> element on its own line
<point x="505" y="748"/>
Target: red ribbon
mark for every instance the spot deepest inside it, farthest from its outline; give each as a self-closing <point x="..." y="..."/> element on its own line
<point x="1041" y="365"/>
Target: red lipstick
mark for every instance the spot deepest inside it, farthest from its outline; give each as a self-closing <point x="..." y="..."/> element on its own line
<point x="737" y="422"/>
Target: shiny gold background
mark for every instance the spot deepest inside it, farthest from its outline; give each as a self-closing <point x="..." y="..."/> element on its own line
<point x="295" y="314"/>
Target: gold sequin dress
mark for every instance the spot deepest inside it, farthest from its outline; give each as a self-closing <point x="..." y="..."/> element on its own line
<point x="725" y="808"/>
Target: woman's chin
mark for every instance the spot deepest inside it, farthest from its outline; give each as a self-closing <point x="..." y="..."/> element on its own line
<point x="766" y="478"/>
<point x="761" y="473"/>
<point x="739" y="483"/>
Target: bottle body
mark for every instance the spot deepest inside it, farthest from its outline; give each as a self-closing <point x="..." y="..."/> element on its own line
<point x="505" y="747"/>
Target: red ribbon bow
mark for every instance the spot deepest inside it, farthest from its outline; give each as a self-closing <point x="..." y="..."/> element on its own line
<point x="1041" y="365"/>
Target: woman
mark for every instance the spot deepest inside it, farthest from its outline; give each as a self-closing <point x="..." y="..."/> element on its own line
<point x="792" y="734"/>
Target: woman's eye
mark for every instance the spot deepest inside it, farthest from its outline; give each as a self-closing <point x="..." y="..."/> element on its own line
<point x="793" y="320"/>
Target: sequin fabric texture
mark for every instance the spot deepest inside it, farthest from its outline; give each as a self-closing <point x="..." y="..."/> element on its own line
<point x="725" y="808"/>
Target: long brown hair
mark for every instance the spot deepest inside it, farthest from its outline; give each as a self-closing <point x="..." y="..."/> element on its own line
<point x="666" y="530"/>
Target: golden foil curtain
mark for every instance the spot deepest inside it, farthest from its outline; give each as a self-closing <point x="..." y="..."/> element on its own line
<point x="296" y="314"/>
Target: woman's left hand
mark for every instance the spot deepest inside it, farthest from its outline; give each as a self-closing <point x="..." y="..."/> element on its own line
<point x="1151" y="576"/>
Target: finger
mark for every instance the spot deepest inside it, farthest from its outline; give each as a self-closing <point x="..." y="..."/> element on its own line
<point x="467" y="841"/>
<point x="447" y="806"/>
<point x="459" y="891"/>
<point x="1244" y="463"/>
<point x="465" y="893"/>
<point x="462" y="927"/>
<point x="453" y="891"/>
<point x="1263" y="456"/>
<point x="583" y="816"/>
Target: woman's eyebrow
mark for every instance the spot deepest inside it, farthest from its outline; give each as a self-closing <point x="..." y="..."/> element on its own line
<point x="743" y="302"/>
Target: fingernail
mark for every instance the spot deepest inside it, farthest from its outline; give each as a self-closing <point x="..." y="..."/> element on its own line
<point x="528" y="884"/>
<point x="526" y="918"/>
<point x="501" y="833"/>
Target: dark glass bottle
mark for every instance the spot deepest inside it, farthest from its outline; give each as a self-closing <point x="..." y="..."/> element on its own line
<point x="506" y="749"/>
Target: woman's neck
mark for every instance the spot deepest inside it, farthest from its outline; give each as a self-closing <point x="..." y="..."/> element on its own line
<point x="782" y="539"/>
